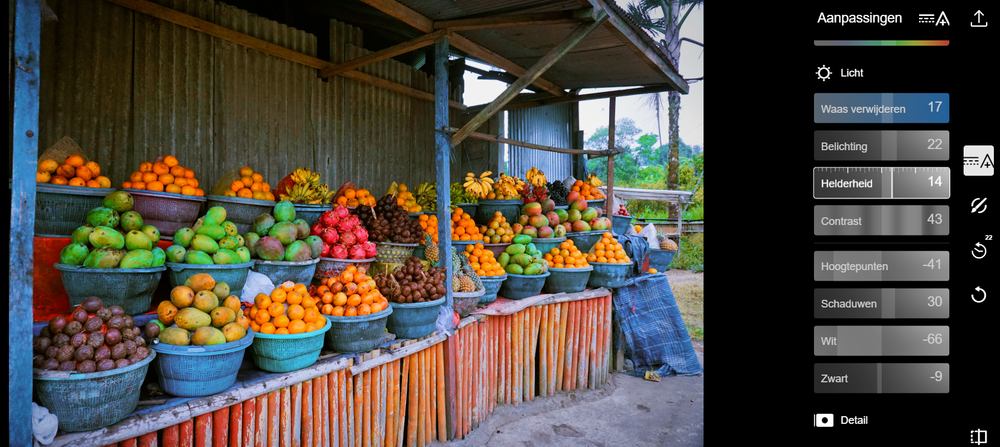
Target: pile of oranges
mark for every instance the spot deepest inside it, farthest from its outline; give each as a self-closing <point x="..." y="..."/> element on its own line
<point x="352" y="293"/>
<point x="566" y="255"/>
<point x="463" y="228"/>
<point x="608" y="251"/>
<point x="73" y="172"/>
<point x="288" y="310"/>
<point x="586" y="191"/>
<point x="483" y="261"/>
<point x="165" y="176"/>
<point x="430" y="225"/>
<point x="251" y="185"/>
<point x="356" y="197"/>
<point x="499" y="230"/>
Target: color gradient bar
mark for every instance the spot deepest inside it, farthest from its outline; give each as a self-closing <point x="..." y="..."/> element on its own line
<point x="880" y="43"/>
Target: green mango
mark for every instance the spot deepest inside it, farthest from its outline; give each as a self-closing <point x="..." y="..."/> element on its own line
<point x="137" y="240"/>
<point x="216" y="232"/>
<point x="531" y="249"/>
<point x="229" y="243"/>
<point x="104" y="258"/>
<point x="106" y="237"/>
<point x="242" y="242"/>
<point x="515" y="249"/>
<point x="216" y="215"/>
<point x="74" y="254"/>
<point x="103" y="217"/>
<point x="298" y="251"/>
<point x="514" y="269"/>
<point x="302" y="227"/>
<point x="230" y="228"/>
<point x="284" y="232"/>
<point x="522" y="259"/>
<point x="176" y="253"/>
<point x="504" y="259"/>
<point x="81" y="235"/>
<point x="137" y="259"/>
<point x="284" y="211"/>
<point x="204" y="243"/>
<point x="120" y="201"/>
<point x="262" y="224"/>
<point x="315" y="244"/>
<point x="183" y="237"/>
<point x="151" y="232"/>
<point x="251" y="243"/>
<point x="521" y="239"/>
<point x="244" y="254"/>
<point x="533" y="269"/>
<point x="131" y="220"/>
<point x="159" y="256"/>
<point x="197" y="257"/>
<point x="225" y="256"/>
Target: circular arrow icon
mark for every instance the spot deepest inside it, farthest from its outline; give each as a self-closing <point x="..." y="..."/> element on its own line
<point x="979" y="289"/>
<point x="979" y="251"/>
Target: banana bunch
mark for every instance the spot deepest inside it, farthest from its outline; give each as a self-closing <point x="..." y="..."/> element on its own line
<point x="509" y="186"/>
<point x="479" y="186"/>
<point x="594" y="181"/>
<point x="427" y="196"/>
<point x="535" y="177"/>
<point x="307" y="189"/>
<point x="459" y="195"/>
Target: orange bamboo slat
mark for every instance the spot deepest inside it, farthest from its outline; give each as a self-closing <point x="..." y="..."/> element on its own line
<point x="359" y="409"/>
<point x="128" y="443"/>
<point x="149" y="440"/>
<point x="220" y="427"/>
<point x="307" y="413"/>
<point x="442" y="426"/>
<point x="171" y="436"/>
<point x="186" y="434"/>
<point x="404" y="396"/>
<point x="249" y="422"/>
<point x="236" y="424"/>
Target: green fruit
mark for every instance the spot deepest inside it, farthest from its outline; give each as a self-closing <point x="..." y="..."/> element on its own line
<point x="504" y="259"/>
<point x="159" y="256"/>
<point x="241" y="240"/>
<point x="103" y="217"/>
<point x="197" y="257"/>
<point x="229" y="242"/>
<point x="175" y="336"/>
<point x="120" y="201"/>
<point x="251" y="243"/>
<point x="522" y="259"/>
<point x="262" y="224"/>
<point x="302" y="227"/>
<point x="230" y="228"/>
<point x="225" y="256"/>
<point x="216" y="215"/>
<point x="106" y="237"/>
<point x="216" y="232"/>
<point x="204" y="243"/>
<point x="515" y="249"/>
<point x="175" y="253"/>
<point x="531" y="249"/>
<point x="207" y="335"/>
<point x="131" y="220"/>
<point x="137" y="240"/>
<point x="244" y="254"/>
<point x="284" y="232"/>
<point x="521" y="239"/>
<point x="137" y="259"/>
<point x="74" y="254"/>
<point x="104" y="258"/>
<point x="151" y="232"/>
<point x="183" y="237"/>
<point x="298" y="251"/>
<point x="533" y="269"/>
<point x="514" y="269"/>
<point x="284" y="211"/>
<point x="81" y="235"/>
<point x="315" y="244"/>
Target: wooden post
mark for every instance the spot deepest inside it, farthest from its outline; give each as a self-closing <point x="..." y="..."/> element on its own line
<point x="249" y="423"/>
<point x="443" y="162"/>
<point x="536" y="70"/>
<point x="611" y="158"/>
<point x="27" y="43"/>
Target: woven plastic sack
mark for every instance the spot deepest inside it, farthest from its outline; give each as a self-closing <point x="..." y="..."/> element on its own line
<point x="653" y="334"/>
<point x="225" y="182"/>
<point x="62" y="150"/>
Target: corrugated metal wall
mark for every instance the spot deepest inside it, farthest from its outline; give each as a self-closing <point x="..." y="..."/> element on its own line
<point x="128" y="88"/>
<point x="549" y="126"/>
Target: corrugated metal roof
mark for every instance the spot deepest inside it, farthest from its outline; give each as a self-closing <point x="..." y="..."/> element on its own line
<point x="549" y="126"/>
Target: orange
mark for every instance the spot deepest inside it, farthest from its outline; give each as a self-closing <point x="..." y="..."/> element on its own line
<point x="247" y="181"/>
<point x="276" y="309"/>
<point x="354" y="300"/>
<point x="294" y="298"/>
<point x="278" y="295"/>
<point x="338" y="311"/>
<point x="350" y="193"/>
<point x="160" y="168"/>
<point x="59" y="180"/>
<point x="327" y="298"/>
<point x="311" y="315"/>
<point x="188" y="190"/>
<point x="340" y="299"/>
<point x="77" y="181"/>
<point x="170" y="160"/>
<point x="288" y="286"/>
<point x="127" y="185"/>
<point x="84" y="173"/>
<point x="93" y="184"/>
<point x="308" y="302"/>
<point x="257" y="178"/>
<point x="66" y="171"/>
<point x="353" y="202"/>
<point x="190" y="174"/>
<point x="104" y="181"/>
<point x="149" y="177"/>
<point x="256" y="187"/>
<point x="180" y="181"/>
<point x="281" y="331"/>
<point x="155" y="186"/>
<point x="296" y="327"/>
<point x="74" y="160"/>
<point x="135" y="177"/>
<point x="146" y="167"/>
<point x="342" y="200"/>
<point x="42" y="177"/>
<point x="172" y="188"/>
<point x="246" y="171"/>
<point x="266" y="188"/>
<point x="254" y="326"/>
<point x="48" y="165"/>
<point x="327" y="309"/>
<point x="138" y="185"/>
<point x="267" y="328"/>
<point x="296" y="312"/>
<point x="301" y="289"/>
<point x="281" y="321"/>
<point x="245" y="193"/>
<point x="198" y="192"/>
<point x="177" y="171"/>
<point x="261" y="301"/>
<point x="166" y="179"/>
<point x="262" y="317"/>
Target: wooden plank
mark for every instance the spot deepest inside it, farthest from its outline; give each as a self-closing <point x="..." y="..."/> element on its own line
<point x="567" y="350"/>
<point x="171" y="436"/>
<point x="527" y="101"/>
<point x="260" y="438"/>
<point x="564" y="317"/>
<point x="404" y="14"/>
<point x="149" y="439"/>
<point x="342" y="413"/>
<point x="517" y="352"/>
<point x="516" y="20"/>
<point x="403" y="399"/>
<point x="378" y="407"/>
<point x="432" y="380"/>
<point x="322" y="415"/>
<point x="486" y="55"/>
<point x="249" y="422"/>
<point x="186" y="434"/>
<point x="366" y="412"/>
<point x="307" y="413"/>
<point x="399" y="353"/>
<point x="390" y="403"/>
<point x="473" y="379"/>
<point x="425" y="397"/>
<point x="295" y="402"/>
<point x="609" y="322"/>
<point x="414" y="410"/>
<point x="395" y="50"/>
<point x="442" y="429"/>
<point x="543" y="376"/>
<point x="220" y="427"/>
<point x="236" y="424"/>
<point x="536" y="70"/>
<point x="133" y="442"/>
<point x="359" y="410"/>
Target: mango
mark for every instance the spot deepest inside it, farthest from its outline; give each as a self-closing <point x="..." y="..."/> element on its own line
<point x="581" y="226"/>
<point x="81" y="235"/>
<point x="533" y="269"/>
<point x="229" y="243"/>
<point x="225" y="256"/>
<point x="233" y="331"/>
<point x="175" y="336"/>
<point x="151" y="232"/>
<point x="204" y="243"/>
<point x="197" y="257"/>
<point x="137" y="240"/>
<point x="284" y="211"/>
<point x="560" y="231"/>
<point x="315" y="245"/>
<point x="515" y="249"/>
<point x="522" y="259"/>
<point x="298" y="251"/>
<point x="165" y="312"/>
<point x="104" y="258"/>
<point x="215" y="232"/>
<point x="159" y="256"/>
<point x="222" y="316"/>
<point x="131" y="220"/>
<point x="232" y="302"/>
<point x="262" y="224"/>
<point x="216" y="215"/>
<point x="205" y="301"/>
<point x="562" y="214"/>
<point x="242" y="242"/>
<point x="183" y="237"/>
<point x="74" y="254"/>
<point x="103" y="217"/>
<point x="200" y="281"/>
<point x="244" y="254"/>
<point x="302" y="227"/>
<point x="588" y="214"/>
<point x="198" y="223"/>
<point x="137" y="259"/>
<point x="504" y="259"/>
<point x="207" y="335"/>
<point x="230" y="228"/>
<point x="251" y="242"/>
<point x="270" y="249"/>
<point x="221" y="290"/>
<point x="175" y="253"/>
<point x="284" y="232"/>
<point x="514" y="269"/>
<point x="531" y="249"/>
<point x="120" y="201"/>
<point x="191" y="318"/>
<point x="572" y="216"/>
<point x="521" y="239"/>
<point x="106" y="237"/>
<point x="181" y="297"/>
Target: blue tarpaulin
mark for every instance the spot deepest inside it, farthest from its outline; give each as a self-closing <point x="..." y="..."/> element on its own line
<point x="653" y="334"/>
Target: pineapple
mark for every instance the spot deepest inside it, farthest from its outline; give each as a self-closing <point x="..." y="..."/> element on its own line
<point x="464" y="272"/>
<point x="665" y="242"/>
<point x="432" y="252"/>
<point x="463" y="283"/>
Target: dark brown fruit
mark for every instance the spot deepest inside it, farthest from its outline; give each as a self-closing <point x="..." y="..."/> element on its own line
<point x="41" y="344"/>
<point x="85" y="352"/>
<point x="59" y="340"/>
<point x="129" y="347"/>
<point x="65" y="353"/>
<point x="57" y="324"/>
<point x="123" y="363"/>
<point x="116" y="322"/>
<point x="78" y="340"/>
<point x="104" y="314"/>
<point x="117" y="310"/>
<point x="80" y="316"/>
<point x="91" y="304"/>
<point x="142" y="352"/>
<point x="87" y="366"/>
<point x="38" y="360"/>
<point x="152" y="329"/>
<point x="50" y="363"/>
<point x="129" y="324"/>
<point x="112" y="337"/>
<point x="73" y="328"/>
<point x="127" y="334"/>
<point x="96" y="339"/>
<point x="141" y="341"/>
<point x="118" y="351"/>
<point x="133" y="359"/>
<point x="68" y="365"/>
<point x="105" y="365"/>
<point x="46" y="332"/>
<point x="51" y="351"/>
<point x="102" y="353"/>
<point x="93" y="324"/>
<point x="137" y="331"/>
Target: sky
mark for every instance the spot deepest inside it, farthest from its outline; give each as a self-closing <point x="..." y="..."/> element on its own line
<point x="594" y="114"/>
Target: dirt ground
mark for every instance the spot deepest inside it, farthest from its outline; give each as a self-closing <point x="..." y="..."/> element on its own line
<point x="689" y="291"/>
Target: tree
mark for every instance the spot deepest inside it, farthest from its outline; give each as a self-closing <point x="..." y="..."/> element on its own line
<point x="626" y="133"/>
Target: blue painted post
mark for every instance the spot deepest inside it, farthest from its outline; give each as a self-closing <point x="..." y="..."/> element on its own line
<point x="442" y="145"/>
<point x="27" y="42"/>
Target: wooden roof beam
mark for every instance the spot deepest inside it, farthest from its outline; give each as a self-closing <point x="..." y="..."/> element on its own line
<point x="526" y="102"/>
<point x="514" y="20"/>
<point x="395" y="50"/>
<point x="418" y="21"/>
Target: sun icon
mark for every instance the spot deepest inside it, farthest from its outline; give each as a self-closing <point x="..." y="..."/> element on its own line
<point x="820" y="75"/>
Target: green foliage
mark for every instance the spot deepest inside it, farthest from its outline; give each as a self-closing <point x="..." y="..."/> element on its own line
<point x="692" y="253"/>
